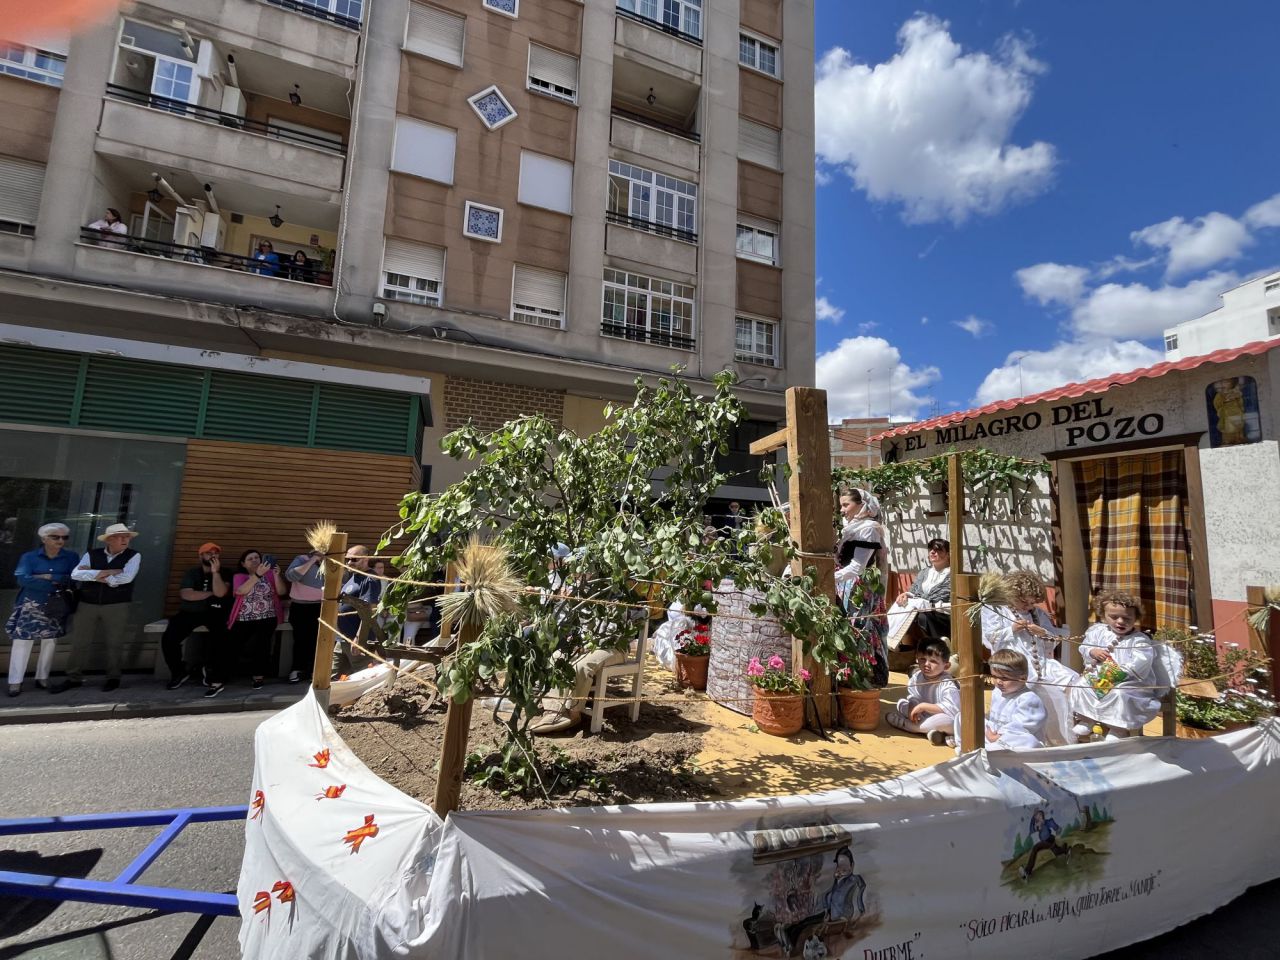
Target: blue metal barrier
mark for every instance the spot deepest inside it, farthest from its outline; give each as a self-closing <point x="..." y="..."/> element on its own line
<point x="123" y="890"/>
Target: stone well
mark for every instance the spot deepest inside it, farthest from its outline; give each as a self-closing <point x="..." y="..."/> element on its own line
<point x="737" y="635"/>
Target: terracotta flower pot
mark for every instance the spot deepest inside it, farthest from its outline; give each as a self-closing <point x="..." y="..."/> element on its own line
<point x="860" y="709"/>
<point x="778" y="714"/>
<point x="691" y="671"/>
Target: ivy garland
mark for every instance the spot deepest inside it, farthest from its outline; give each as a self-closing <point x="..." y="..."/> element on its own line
<point x="985" y="474"/>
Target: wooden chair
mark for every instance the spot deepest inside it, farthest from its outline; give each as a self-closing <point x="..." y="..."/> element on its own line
<point x="631" y="667"/>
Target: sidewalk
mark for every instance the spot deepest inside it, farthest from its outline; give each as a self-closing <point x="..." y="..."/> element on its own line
<point x="140" y="695"/>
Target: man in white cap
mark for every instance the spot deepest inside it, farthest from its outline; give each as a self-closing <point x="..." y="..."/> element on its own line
<point x="105" y="577"/>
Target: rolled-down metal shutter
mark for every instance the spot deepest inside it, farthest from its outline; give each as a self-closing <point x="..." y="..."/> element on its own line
<point x="413" y="259"/>
<point x="759" y="144"/>
<point x="435" y="33"/>
<point x="550" y="66"/>
<point x="21" y="182"/>
<point x="538" y="296"/>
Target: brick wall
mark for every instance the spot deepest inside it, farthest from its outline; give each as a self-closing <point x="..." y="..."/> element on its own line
<point x="489" y="404"/>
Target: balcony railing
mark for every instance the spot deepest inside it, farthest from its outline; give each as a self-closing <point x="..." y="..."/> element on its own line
<point x="311" y="10"/>
<point x="332" y="143"/>
<point x="659" y="25"/>
<point x="656" y="124"/>
<point x="649" y="226"/>
<point x="285" y="269"/>
<point x="659" y="338"/>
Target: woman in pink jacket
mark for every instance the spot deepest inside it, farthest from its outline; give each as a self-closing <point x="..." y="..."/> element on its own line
<point x="257" y="611"/>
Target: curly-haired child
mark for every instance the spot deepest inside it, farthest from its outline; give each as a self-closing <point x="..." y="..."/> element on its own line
<point x="1119" y="688"/>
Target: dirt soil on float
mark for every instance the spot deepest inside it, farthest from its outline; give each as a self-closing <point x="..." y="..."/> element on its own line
<point x="684" y="747"/>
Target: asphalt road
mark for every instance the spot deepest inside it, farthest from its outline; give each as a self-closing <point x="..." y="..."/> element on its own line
<point x="113" y="765"/>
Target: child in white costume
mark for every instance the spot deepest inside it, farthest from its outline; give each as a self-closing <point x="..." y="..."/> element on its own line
<point x="932" y="703"/>
<point x="1017" y="717"/>
<point x="1134" y="701"/>
<point x="1025" y="627"/>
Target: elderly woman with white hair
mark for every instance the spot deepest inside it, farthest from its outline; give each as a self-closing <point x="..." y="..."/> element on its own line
<point x="40" y="609"/>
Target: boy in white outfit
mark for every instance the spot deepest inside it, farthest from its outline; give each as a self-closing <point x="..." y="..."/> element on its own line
<point x="1017" y="717"/>
<point x="1118" y="689"/>
<point x="932" y="703"/>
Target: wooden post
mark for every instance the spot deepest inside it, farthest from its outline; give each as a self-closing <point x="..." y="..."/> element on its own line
<point x="1075" y="572"/>
<point x="812" y="523"/>
<point x="453" y="752"/>
<point x="1263" y="641"/>
<point x="964" y="638"/>
<point x="323" y="665"/>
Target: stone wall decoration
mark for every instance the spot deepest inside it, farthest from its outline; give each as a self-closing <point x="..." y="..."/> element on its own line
<point x="510" y="7"/>
<point x="482" y="223"/>
<point x="493" y="109"/>
<point x="737" y="635"/>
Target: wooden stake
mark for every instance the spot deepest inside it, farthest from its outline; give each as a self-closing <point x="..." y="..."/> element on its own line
<point x="1261" y="641"/>
<point x="453" y="752"/>
<point x="325" y="636"/>
<point x="812" y="527"/>
<point x="964" y="638"/>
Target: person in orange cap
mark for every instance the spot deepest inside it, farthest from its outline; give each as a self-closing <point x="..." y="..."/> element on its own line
<point x="204" y="601"/>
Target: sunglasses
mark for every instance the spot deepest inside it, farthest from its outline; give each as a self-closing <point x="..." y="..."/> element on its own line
<point x="57" y="536"/>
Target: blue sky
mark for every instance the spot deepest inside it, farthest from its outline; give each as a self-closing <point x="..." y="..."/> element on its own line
<point x="1064" y="178"/>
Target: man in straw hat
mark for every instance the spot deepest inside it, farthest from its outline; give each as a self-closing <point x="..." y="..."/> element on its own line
<point x="105" y="577"/>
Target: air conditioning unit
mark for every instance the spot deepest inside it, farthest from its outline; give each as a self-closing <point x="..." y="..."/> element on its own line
<point x="214" y="232"/>
<point x="233" y="103"/>
<point x="188" y="225"/>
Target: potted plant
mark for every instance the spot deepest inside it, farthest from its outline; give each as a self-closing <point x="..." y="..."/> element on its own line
<point x="859" y="701"/>
<point x="779" y="705"/>
<point x="327" y="257"/>
<point x="693" y="652"/>
<point x="1227" y="696"/>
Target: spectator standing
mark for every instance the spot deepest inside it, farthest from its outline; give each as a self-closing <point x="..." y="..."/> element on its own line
<point x="300" y="268"/>
<point x="306" y="591"/>
<point x="202" y="603"/>
<point x="266" y="262"/>
<point x="42" y="574"/>
<point x="110" y="227"/>
<point x="358" y="586"/>
<point x="105" y="576"/>
<point x="256" y="611"/>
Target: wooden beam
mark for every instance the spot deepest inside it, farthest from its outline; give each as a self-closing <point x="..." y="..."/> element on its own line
<point x="1198" y="535"/>
<point x="774" y="441"/>
<point x="1075" y="585"/>
<point x="322" y="667"/>
<point x="965" y="639"/>
<point x="812" y="524"/>
<point x="453" y="752"/>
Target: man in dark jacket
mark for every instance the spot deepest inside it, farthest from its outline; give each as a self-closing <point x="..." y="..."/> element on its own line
<point x="105" y="579"/>
<point x="203" y="602"/>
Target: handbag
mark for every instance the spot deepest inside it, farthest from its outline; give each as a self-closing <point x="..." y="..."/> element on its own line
<point x="61" y="604"/>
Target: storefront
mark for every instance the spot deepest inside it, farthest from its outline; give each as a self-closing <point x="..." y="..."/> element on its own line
<point x="1164" y="481"/>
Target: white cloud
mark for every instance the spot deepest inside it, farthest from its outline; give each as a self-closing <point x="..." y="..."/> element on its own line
<point x="1136" y="310"/>
<point x="930" y="127"/>
<point x="1121" y="264"/>
<point x="974" y="326"/>
<point x="868" y="326"/>
<point x="1264" y="214"/>
<point x="1063" y="363"/>
<point x="1197" y="244"/>
<point x="1053" y="282"/>
<point x="843" y="373"/>
<point x="924" y="321"/>
<point x="826" y="310"/>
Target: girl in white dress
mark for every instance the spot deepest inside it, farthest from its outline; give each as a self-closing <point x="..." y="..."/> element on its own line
<point x="1121" y="705"/>
<point x="1025" y="627"/>
<point x="1017" y="717"/>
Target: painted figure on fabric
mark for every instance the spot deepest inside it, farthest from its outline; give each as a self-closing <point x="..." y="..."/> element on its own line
<point x="1045" y="832"/>
<point x="845" y="901"/>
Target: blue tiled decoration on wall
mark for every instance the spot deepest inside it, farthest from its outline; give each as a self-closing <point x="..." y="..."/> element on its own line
<point x="505" y="6"/>
<point x="493" y="109"/>
<point x="484" y="223"/>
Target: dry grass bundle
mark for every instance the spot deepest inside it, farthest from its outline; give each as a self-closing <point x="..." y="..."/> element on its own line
<point x="993" y="591"/>
<point x="492" y="589"/>
<point x="318" y="536"/>
<point x="1260" y="618"/>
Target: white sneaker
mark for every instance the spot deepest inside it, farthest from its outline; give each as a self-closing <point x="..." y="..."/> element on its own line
<point x="1082" y="731"/>
<point x="951" y="742"/>
<point x="938" y="737"/>
<point x="294" y="676"/>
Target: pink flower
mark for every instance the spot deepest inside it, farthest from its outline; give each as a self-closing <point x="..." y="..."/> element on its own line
<point x="804" y="675"/>
<point x="754" y="669"/>
<point x="777" y="663"/>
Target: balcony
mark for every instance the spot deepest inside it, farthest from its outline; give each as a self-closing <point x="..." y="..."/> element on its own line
<point x="640" y="40"/>
<point x="314" y="35"/>
<point x="654" y="337"/>
<point x="344" y="13"/>
<point x="639" y="15"/>
<point x="646" y="137"/>
<point x="178" y="135"/>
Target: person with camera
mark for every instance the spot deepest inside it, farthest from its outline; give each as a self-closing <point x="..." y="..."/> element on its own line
<point x="255" y="613"/>
<point x="306" y="591"/>
<point x="40" y="610"/>
<point x="202" y="603"/>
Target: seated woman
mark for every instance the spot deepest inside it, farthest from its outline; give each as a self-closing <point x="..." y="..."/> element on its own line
<point x="929" y="596"/>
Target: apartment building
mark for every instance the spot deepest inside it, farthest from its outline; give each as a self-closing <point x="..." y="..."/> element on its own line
<point x="851" y="444"/>
<point x="1250" y="311"/>
<point x="348" y="226"/>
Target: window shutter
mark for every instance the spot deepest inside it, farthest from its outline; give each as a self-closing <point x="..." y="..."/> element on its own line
<point x="759" y="144"/>
<point x="413" y="259"/>
<point x="543" y="289"/>
<point x="424" y="150"/>
<point x="163" y="398"/>
<point x="549" y="66"/>
<point x="381" y="424"/>
<point x="37" y="386"/>
<point x="435" y="33"/>
<point x="759" y="223"/>
<point x="254" y="409"/>
<point x="20" y="184"/>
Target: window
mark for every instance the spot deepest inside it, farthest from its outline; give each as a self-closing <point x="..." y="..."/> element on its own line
<point x="32" y="64"/>
<point x="553" y="73"/>
<point x="756" y="341"/>
<point x="1171" y="341"/>
<point x="350" y="9"/>
<point x="20" y="184"/>
<point x="413" y="272"/>
<point x="648" y="310"/>
<point x="492" y="107"/>
<point x="1272" y="285"/>
<point x="757" y="239"/>
<point x="160" y="63"/>
<point x="424" y="150"/>
<point x="758" y="54"/>
<point x="680" y="16"/>
<point x="510" y="7"/>
<point x="759" y="144"/>
<point x="652" y="201"/>
<point x="482" y="222"/>
<point x="435" y="33"/>
<point x="537" y="297"/>
<point x="546" y="182"/>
